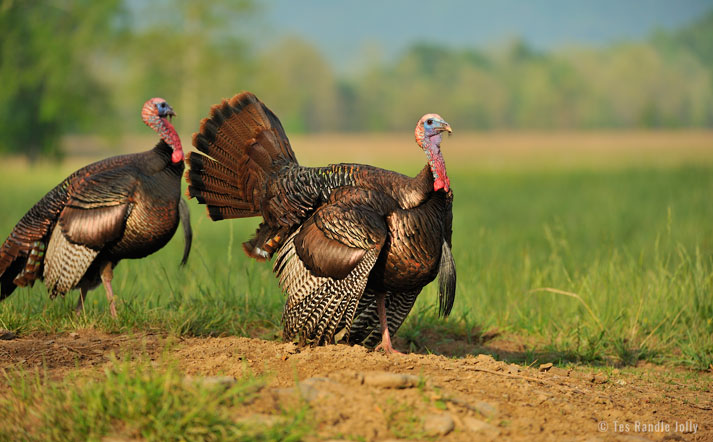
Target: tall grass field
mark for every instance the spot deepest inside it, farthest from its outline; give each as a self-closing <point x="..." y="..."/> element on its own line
<point x="585" y="254"/>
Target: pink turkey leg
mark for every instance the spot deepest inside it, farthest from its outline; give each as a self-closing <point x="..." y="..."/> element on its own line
<point x="385" y="337"/>
<point x="106" y="275"/>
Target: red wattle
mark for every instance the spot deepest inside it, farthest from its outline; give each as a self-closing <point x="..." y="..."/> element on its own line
<point x="169" y="135"/>
<point x="177" y="156"/>
<point x="439" y="184"/>
<point x="438" y="169"/>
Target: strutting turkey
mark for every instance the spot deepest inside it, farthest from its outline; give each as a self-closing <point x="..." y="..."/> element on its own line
<point x="124" y="207"/>
<point x="354" y="244"/>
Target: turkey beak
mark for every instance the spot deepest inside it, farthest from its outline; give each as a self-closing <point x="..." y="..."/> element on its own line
<point x="167" y="113"/>
<point x="443" y="127"/>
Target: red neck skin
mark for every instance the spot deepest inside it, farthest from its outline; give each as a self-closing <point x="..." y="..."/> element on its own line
<point x="168" y="134"/>
<point x="432" y="147"/>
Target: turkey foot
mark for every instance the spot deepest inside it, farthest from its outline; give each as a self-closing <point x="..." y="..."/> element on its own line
<point x="385" y="337"/>
<point x="106" y="275"/>
<point x="79" y="309"/>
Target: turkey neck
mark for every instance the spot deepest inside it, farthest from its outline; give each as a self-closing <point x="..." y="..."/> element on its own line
<point x="436" y="164"/>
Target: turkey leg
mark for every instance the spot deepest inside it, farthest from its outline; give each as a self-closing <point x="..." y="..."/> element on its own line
<point x="80" y="302"/>
<point x="106" y="274"/>
<point x="385" y="337"/>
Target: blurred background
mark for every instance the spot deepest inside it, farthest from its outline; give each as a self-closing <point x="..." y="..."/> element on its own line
<point x="81" y="67"/>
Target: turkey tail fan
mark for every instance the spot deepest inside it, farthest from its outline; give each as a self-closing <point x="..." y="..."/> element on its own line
<point x="446" y="281"/>
<point x="241" y="144"/>
<point x="185" y="216"/>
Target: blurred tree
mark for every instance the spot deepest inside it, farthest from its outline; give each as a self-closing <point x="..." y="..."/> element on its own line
<point x="296" y="80"/>
<point x="67" y="64"/>
<point x="189" y="52"/>
<point x="45" y="86"/>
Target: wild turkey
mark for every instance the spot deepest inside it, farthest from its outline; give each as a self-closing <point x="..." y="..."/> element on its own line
<point x="355" y="244"/>
<point x="124" y="207"/>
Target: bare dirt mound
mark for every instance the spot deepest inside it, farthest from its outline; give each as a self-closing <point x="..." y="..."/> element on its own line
<point x="354" y="392"/>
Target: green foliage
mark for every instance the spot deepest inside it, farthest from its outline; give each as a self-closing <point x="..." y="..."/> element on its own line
<point x="135" y="400"/>
<point x="47" y="88"/>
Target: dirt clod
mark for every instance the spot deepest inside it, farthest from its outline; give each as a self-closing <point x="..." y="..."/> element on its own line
<point x="486" y="409"/>
<point x="477" y="426"/>
<point x="390" y="380"/>
<point x="6" y="335"/>
<point x="546" y="367"/>
<point x="599" y="378"/>
<point x="438" y="424"/>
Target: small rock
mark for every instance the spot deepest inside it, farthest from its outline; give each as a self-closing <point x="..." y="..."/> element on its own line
<point x="545" y="367"/>
<point x="438" y="424"/>
<point x="6" y="335"/>
<point x="513" y="369"/>
<point x="598" y="378"/>
<point x="620" y="382"/>
<point x="478" y="426"/>
<point x="486" y="409"/>
<point x="390" y="380"/>
<point x="481" y="358"/>
<point x="309" y="389"/>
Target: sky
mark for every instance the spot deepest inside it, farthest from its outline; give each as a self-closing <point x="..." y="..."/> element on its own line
<point x="342" y="29"/>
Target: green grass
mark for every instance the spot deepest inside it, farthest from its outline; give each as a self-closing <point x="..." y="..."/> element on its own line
<point x="628" y="252"/>
<point x="133" y="399"/>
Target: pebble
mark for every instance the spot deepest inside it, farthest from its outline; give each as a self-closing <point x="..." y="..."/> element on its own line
<point x="545" y="367"/>
<point x="438" y="424"/>
<point x="598" y="378"/>
<point x="486" y="409"/>
<point x="310" y="389"/>
<point x="390" y="380"/>
<point x="478" y="426"/>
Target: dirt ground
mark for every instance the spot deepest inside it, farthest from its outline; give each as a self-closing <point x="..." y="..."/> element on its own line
<point x="357" y="393"/>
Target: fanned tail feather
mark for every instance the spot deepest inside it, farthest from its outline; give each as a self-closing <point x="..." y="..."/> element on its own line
<point x="242" y="143"/>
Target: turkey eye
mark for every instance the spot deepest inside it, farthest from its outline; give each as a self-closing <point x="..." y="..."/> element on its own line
<point x="429" y="122"/>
